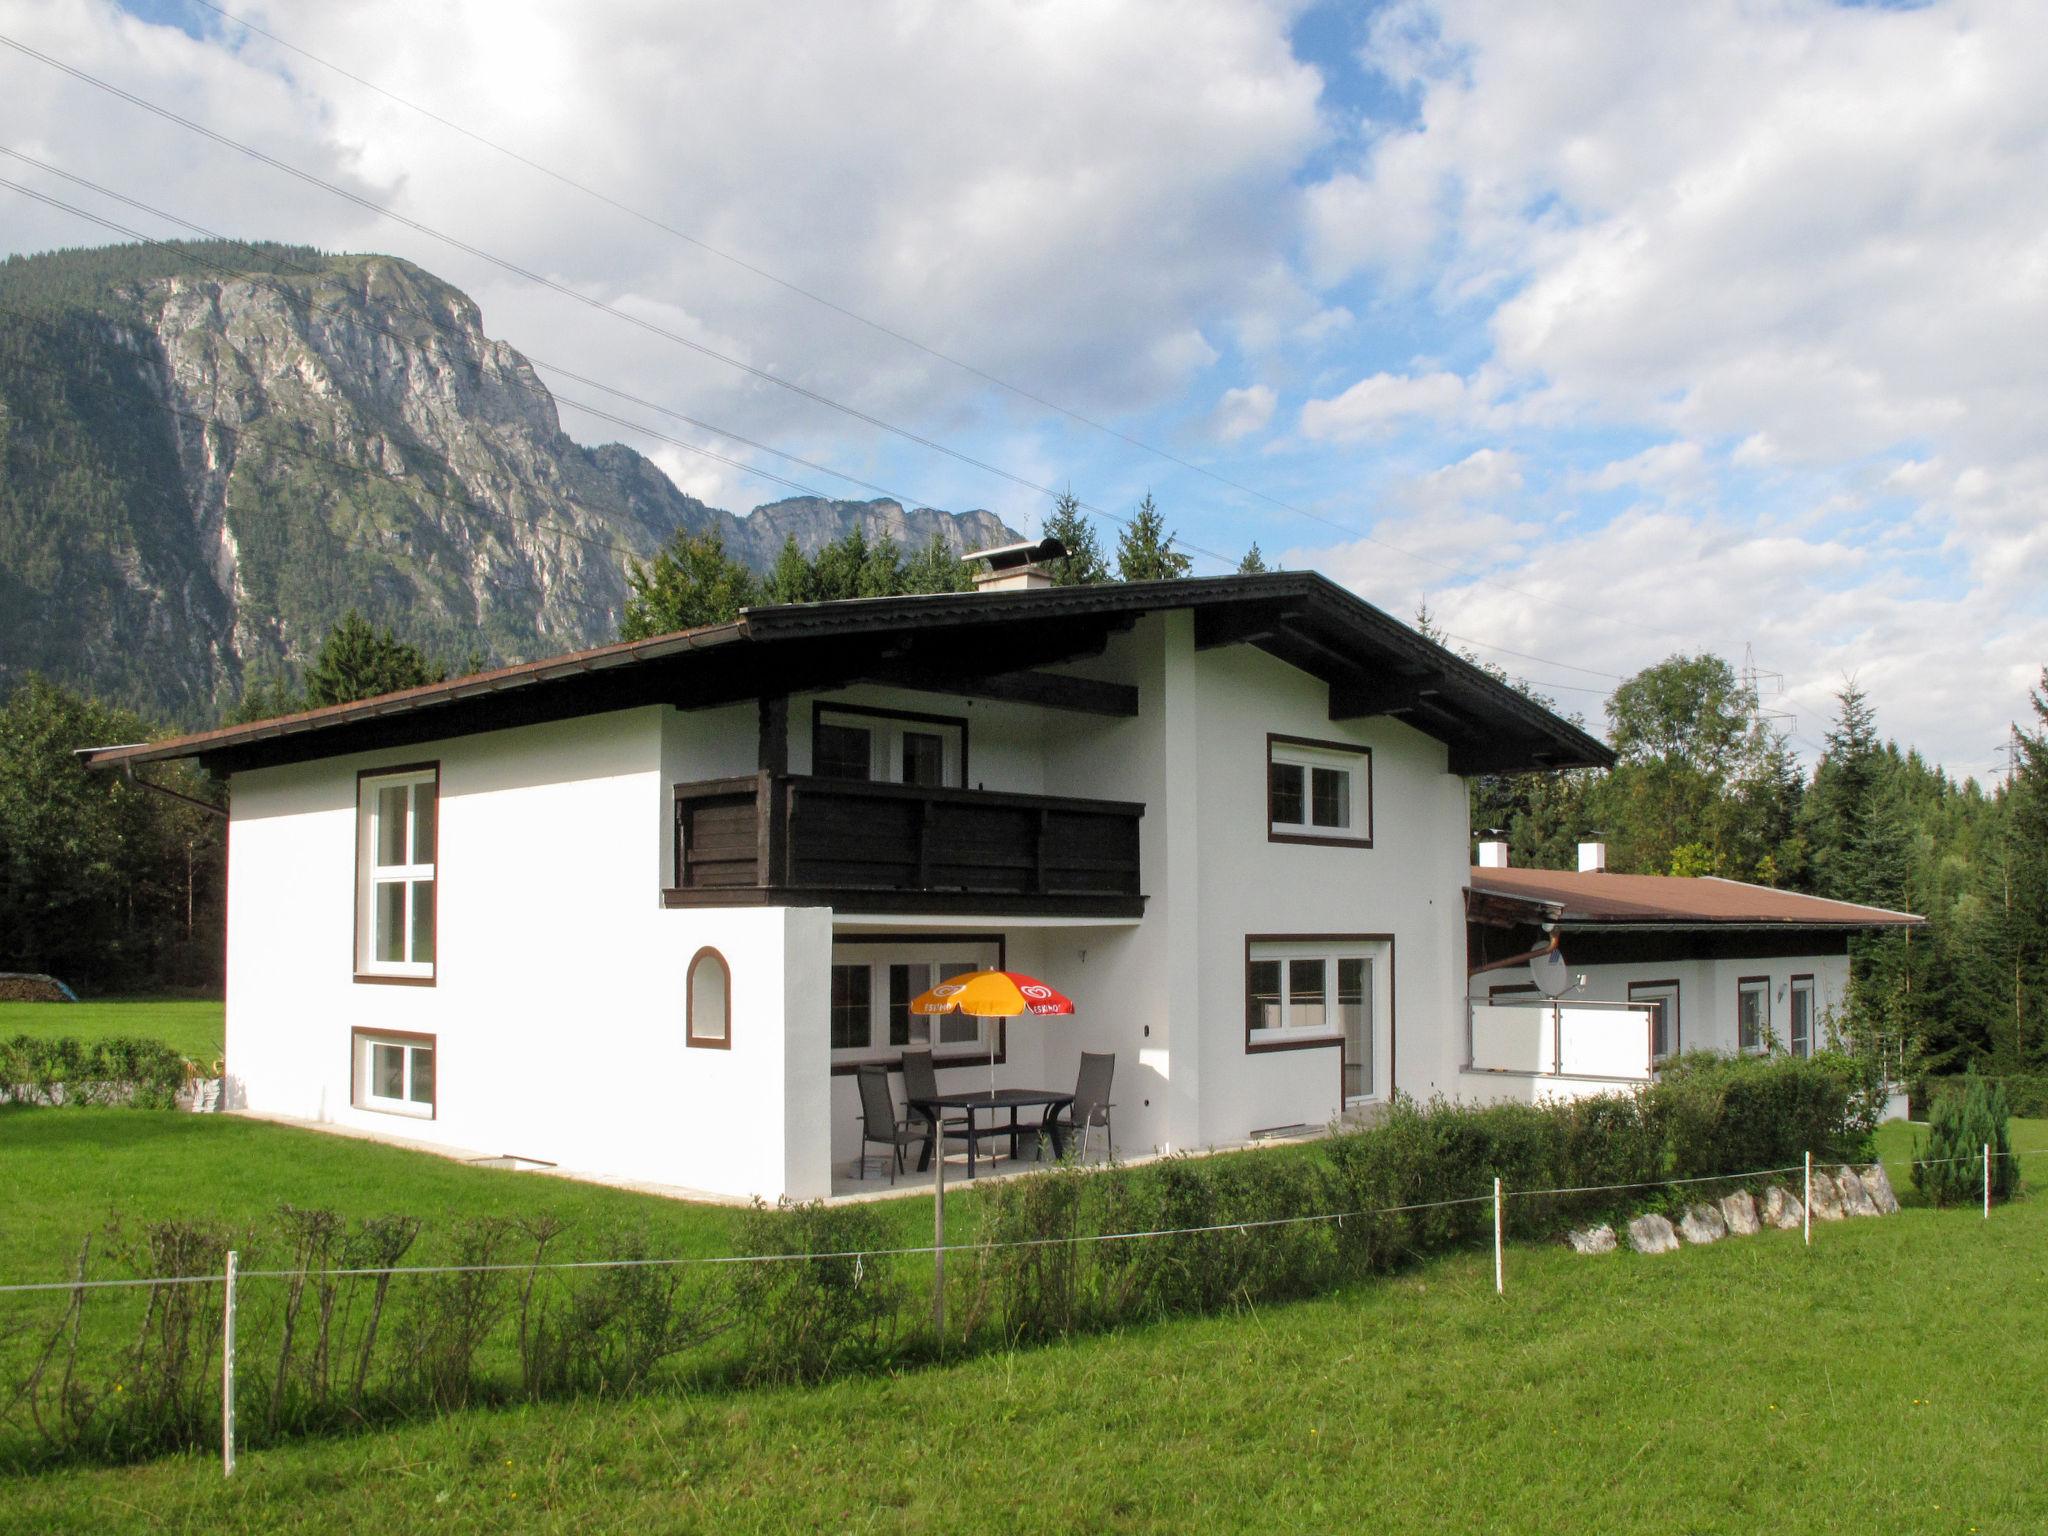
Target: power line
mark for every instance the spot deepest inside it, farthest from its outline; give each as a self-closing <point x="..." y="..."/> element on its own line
<point x="767" y="376"/>
<point x="1022" y="393"/>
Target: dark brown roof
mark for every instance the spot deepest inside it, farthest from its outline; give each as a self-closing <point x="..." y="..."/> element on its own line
<point x="1667" y="901"/>
<point x="1374" y="664"/>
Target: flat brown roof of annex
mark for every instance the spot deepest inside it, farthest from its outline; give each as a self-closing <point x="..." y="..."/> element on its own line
<point x="1602" y="899"/>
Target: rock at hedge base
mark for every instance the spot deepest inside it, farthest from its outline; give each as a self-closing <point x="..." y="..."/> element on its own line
<point x="1827" y="1198"/>
<point x="1878" y="1185"/>
<point x="1598" y="1239"/>
<point x="1855" y="1198"/>
<point x="1702" y="1224"/>
<point x="1652" y="1234"/>
<point x="1739" y="1211"/>
<point x="1782" y="1209"/>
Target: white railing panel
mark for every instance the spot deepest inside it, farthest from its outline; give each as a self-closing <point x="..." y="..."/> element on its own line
<point x="1506" y="1038"/>
<point x="1604" y="1042"/>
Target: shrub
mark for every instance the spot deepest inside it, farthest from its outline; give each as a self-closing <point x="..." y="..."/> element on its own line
<point x="142" y="1074"/>
<point x="809" y="1318"/>
<point x="1726" y="1115"/>
<point x="1966" y="1117"/>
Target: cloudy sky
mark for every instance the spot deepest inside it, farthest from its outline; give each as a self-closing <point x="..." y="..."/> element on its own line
<point x="1605" y="330"/>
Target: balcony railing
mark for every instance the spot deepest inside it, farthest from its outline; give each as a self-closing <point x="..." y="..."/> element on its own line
<point x="790" y="839"/>
<point x="1540" y="1038"/>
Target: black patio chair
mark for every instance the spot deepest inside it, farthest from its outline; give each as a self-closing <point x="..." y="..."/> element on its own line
<point x="878" y="1121"/>
<point x="1091" y="1106"/>
<point x="921" y="1081"/>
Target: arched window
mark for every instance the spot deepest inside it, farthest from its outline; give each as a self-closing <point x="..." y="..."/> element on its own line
<point x="709" y="1000"/>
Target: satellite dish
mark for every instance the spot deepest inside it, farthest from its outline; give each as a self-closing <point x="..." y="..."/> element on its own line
<point x="1550" y="974"/>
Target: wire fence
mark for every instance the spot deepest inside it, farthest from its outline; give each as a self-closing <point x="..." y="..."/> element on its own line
<point x="232" y="1277"/>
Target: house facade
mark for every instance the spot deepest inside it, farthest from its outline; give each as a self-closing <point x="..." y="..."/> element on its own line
<point x="1695" y="964"/>
<point x="641" y="912"/>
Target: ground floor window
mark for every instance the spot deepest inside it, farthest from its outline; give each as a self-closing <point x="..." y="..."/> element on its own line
<point x="1801" y="1029"/>
<point x="394" y="1073"/>
<point x="1321" y="991"/>
<point x="874" y="980"/>
<point x="1661" y="998"/>
<point x="1753" y="1013"/>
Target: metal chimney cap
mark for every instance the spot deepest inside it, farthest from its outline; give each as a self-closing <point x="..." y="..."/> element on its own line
<point x="1008" y="557"/>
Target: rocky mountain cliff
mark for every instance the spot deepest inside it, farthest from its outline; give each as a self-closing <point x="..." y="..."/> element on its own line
<point x="200" y="472"/>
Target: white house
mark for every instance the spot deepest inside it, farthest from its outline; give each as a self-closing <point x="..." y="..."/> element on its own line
<point x="640" y="911"/>
<point x="1653" y="964"/>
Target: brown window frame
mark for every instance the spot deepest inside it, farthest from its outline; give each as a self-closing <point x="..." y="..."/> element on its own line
<point x="690" y="1036"/>
<point x="357" y="1035"/>
<point x="355" y="960"/>
<point x="1677" y="1017"/>
<point x="823" y="707"/>
<point x="1812" y="1010"/>
<point x="1763" y="1045"/>
<point x="1336" y="1042"/>
<point x="1348" y="748"/>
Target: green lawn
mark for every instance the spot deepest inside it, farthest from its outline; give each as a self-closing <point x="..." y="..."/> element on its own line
<point x="68" y="1170"/>
<point x="195" y="1029"/>
<point x="1889" y="1378"/>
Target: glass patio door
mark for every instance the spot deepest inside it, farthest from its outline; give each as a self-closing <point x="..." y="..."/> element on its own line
<point x="1354" y="1013"/>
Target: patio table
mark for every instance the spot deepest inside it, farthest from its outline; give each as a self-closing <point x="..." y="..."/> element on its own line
<point x="995" y="1102"/>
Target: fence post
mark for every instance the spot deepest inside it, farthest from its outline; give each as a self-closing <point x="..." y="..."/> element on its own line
<point x="1809" y="1200"/>
<point x="1987" y="1181"/>
<point x="227" y="1373"/>
<point x="938" y="1236"/>
<point x="1499" y="1273"/>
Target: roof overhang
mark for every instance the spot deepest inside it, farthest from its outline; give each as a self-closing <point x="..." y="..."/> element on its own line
<point x="1374" y="666"/>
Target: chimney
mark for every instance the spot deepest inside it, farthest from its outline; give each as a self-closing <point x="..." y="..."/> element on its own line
<point x="1493" y="853"/>
<point x="1592" y="858"/>
<point x="1016" y="567"/>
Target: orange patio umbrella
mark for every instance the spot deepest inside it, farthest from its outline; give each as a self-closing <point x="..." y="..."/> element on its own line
<point x="991" y="995"/>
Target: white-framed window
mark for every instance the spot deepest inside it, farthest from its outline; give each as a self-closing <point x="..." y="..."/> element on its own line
<point x="872" y="745"/>
<point x="873" y="982"/>
<point x="1321" y="991"/>
<point x="1801" y="1025"/>
<point x="1661" y="997"/>
<point x="1753" y="1014"/>
<point x="1318" y="792"/>
<point x="397" y="819"/>
<point x="394" y="1073"/>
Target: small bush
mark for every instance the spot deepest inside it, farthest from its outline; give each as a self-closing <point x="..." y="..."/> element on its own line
<point x="122" y="1070"/>
<point x="1966" y="1117"/>
<point x="809" y="1318"/>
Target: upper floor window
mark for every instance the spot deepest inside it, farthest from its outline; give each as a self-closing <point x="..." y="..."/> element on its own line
<point x="1318" y="792"/>
<point x="397" y="820"/>
<point x="708" y="1001"/>
<point x="851" y="742"/>
<point x="1753" y="1013"/>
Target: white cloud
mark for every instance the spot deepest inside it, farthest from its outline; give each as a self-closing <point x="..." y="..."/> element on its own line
<point x="1242" y="412"/>
<point x="1381" y="402"/>
<point x="1662" y="466"/>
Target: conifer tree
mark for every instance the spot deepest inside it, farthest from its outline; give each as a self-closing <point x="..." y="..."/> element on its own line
<point x="1145" y="551"/>
<point x="1083" y="565"/>
<point x="1253" y="563"/>
<point x="357" y="661"/>
<point x="691" y="583"/>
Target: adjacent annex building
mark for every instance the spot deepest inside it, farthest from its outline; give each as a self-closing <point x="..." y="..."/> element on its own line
<point x="641" y="911"/>
<point x="1653" y="964"/>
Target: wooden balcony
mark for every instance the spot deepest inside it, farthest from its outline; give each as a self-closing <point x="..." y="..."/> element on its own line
<point x="774" y="839"/>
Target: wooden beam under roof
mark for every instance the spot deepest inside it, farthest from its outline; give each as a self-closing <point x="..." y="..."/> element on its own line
<point x="1047" y="690"/>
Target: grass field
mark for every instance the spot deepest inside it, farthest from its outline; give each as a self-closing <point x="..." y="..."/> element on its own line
<point x="1887" y="1379"/>
<point x="194" y="1029"/>
<point x="1890" y="1378"/>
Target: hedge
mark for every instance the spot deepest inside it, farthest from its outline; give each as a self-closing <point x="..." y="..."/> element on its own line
<point x="120" y="1070"/>
<point x="324" y="1349"/>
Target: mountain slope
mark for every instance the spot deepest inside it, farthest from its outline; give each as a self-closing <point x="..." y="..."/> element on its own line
<point x="199" y="473"/>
